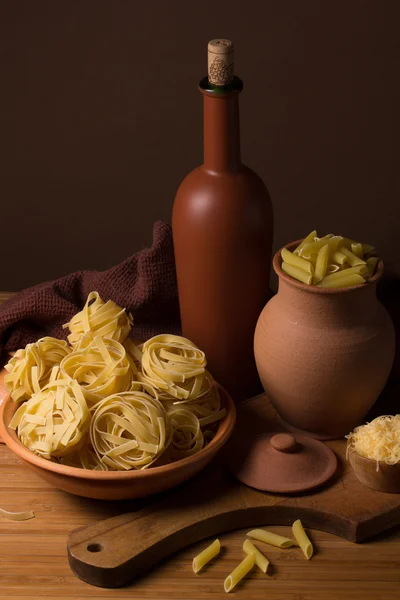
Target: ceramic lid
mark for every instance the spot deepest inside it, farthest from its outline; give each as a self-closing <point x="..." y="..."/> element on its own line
<point x="285" y="463"/>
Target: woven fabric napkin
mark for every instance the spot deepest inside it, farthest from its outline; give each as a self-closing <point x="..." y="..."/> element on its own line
<point x="144" y="284"/>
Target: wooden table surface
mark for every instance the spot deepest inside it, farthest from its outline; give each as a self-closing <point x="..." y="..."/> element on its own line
<point x="33" y="557"/>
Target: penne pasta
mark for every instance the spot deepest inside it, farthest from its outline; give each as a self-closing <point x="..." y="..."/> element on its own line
<point x="352" y="259"/>
<point x="273" y="539"/>
<point x="297" y="273"/>
<point x="241" y="571"/>
<point x="309" y="238"/>
<point x="371" y="265"/>
<point x="339" y="258"/>
<point x="322" y="263"/>
<point x="357" y="249"/>
<point x="346" y="281"/>
<point x="334" y="242"/>
<point x="359" y="270"/>
<point x="262" y="561"/>
<point x="367" y="248"/>
<point x="329" y="261"/>
<point x="312" y="247"/>
<point x="291" y="259"/>
<point x="302" y="539"/>
<point x="206" y="555"/>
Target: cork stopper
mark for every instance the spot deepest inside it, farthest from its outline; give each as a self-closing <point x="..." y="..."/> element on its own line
<point x="220" y="62"/>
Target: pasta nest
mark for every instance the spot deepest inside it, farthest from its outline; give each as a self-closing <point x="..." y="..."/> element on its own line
<point x="130" y="430"/>
<point x="175" y="367"/>
<point x="54" y="421"/>
<point x="101" y="367"/>
<point x="104" y="319"/>
<point x="29" y="370"/>
<point x="193" y="424"/>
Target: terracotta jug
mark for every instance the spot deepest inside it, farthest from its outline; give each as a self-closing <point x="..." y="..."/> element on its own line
<point x="222" y="226"/>
<point x="323" y="355"/>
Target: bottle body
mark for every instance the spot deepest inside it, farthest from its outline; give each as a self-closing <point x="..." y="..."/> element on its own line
<point x="223" y="228"/>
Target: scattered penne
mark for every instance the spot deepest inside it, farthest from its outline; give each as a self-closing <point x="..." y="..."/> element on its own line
<point x="262" y="561"/>
<point x="302" y="539"/>
<point x="332" y="261"/>
<point x="206" y="555"/>
<point x="241" y="571"/>
<point x="273" y="539"/>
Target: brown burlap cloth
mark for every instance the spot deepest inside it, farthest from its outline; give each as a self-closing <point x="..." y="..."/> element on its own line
<point x="145" y="284"/>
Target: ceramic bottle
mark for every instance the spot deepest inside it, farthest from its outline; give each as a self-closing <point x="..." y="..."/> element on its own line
<point x="222" y="229"/>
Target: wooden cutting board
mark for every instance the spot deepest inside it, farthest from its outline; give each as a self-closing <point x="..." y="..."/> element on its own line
<point x="113" y="552"/>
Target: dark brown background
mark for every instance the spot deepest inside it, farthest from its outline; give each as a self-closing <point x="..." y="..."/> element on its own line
<point x="101" y="119"/>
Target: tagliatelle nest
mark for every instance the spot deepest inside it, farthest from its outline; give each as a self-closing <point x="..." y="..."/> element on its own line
<point x="98" y="318"/>
<point x="175" y="367"/>
<point x="54" y="421"/>
<point x="30" y="369"/>
<point x="130" y="430"/>
<point x="108" y="403"/>
<point x="101" y="367"/>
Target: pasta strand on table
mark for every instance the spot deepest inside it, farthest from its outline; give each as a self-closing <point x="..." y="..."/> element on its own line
<point x="206" y="555"/>
<point x="302" y="539"/>
<point x="273" y="539"/>
<point x="241" y="571"/>
<point x="17" y="516"/>
<point x="262" y="561"/>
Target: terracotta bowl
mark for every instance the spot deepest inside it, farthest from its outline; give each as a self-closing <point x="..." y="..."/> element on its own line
<point x="323" y="355"/>
<point x="386" y="479"/>
<point x="118" y="485"/>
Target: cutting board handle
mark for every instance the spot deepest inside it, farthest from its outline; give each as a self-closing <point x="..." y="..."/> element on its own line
<point x="111" y="553"/>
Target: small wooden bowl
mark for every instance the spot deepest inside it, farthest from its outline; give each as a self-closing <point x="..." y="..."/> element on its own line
<point x="117" y="485"/>
<point x="386" y="479"/>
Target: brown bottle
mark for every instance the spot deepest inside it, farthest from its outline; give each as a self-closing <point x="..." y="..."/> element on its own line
<point x="222" y="228"/>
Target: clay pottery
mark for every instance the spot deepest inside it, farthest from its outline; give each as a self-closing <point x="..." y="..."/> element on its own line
<point x="117" y="485"/>
<point x="385" y="479"/>
<point x="323" y="355"/>
<point x="222" y="226"/>
<point x="284" y="463"/>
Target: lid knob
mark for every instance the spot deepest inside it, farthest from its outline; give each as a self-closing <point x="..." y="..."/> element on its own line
<point x="220" y="62"/>
<point x="284" y="442"/>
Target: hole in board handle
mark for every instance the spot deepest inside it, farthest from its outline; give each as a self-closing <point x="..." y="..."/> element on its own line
<point x="95" y="547"/>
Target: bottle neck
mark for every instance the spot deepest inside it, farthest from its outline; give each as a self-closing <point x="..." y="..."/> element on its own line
<point x="221" y="130"/>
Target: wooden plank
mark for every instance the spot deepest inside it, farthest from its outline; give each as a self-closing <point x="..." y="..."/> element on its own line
<point x="33" y="561"/>
<point x="216" y="502"/>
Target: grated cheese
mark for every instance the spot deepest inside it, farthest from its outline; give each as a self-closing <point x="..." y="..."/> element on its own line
<point x="378" y="440"/>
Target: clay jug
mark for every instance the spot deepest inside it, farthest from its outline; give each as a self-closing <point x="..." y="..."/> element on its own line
<point x="222" y="226"/>
<point x="323" y="355"/>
